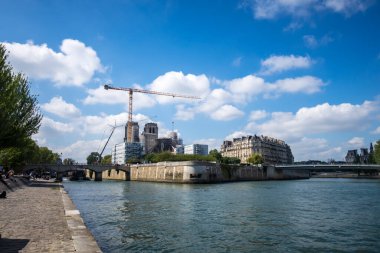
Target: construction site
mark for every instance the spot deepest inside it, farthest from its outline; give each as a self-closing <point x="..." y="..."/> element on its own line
<point x="137" y="144"/>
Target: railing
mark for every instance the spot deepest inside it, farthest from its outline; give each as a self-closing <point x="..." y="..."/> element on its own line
<point x="330" y="166"/>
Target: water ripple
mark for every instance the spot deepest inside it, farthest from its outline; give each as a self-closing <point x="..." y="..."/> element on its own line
<point x="332" y="215"/>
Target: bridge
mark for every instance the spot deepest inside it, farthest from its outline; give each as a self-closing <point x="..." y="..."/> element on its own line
<point x="357" y="168"/>
<point x="99" y="168"/>
<point x="60" y="168"/>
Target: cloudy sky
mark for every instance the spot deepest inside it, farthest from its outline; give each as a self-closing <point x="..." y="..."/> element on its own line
<point x="304" y="71"/>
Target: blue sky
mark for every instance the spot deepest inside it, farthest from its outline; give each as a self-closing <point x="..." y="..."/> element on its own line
<point x="304" y="71"/>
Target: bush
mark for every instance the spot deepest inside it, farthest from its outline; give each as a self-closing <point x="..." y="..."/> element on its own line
<point x="169" y="157"/>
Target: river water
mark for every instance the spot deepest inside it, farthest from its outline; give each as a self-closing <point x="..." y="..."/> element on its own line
<point x="316" y="215"/>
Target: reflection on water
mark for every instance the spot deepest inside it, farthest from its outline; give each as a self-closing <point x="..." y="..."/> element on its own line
<point x="306" y="215"/>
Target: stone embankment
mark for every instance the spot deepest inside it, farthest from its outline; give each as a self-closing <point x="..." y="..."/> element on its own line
<point x="39" y="216"/>
<point x="200" y="172"/>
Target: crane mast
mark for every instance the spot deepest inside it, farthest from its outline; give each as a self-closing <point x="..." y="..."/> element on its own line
<point x="130" y="104"/>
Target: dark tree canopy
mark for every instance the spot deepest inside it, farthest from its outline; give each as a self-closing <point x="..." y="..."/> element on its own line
<point x="68" y="161"/>
<point x="216" y="154"/>
<point x="19" y="112"/>
<point x="93" y="158"/>
<point x="29" y="153"/>
<point x="376" y="153"/>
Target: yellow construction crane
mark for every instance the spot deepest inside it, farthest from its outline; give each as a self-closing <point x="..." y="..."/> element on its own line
<point x="130" y="91"/>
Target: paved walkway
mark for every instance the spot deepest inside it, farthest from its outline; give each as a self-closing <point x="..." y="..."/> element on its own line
<point x="42" y="218"/>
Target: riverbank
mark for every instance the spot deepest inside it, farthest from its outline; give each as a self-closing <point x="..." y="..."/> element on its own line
<point x="344" y="175"/>
<point x="40" y="217"/>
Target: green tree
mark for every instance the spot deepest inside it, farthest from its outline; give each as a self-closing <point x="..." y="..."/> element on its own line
<point x="47" y="156"/>
<point x="376" y="152"/>
<point x="167" y="156"/>
<point x="230" y="160"/>
<point x="107" y="159"/>
<point x="216" y="154"/>
<point x="255" y="158"/>
<point x="30" y="153"/>
<point x="19" y="113"/>
<point x="93" y="158"/>
<point x="68" y="161"/>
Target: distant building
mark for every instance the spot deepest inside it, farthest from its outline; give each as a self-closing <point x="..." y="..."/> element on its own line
<point x="179" y="149"/>
<point x="149" y="137"/>
<point x="352" y="156"/>
<point x="125" y="151"/>
<point x="196" y="149"/>
<point x="272" y="150"/>
<point x="175" y="140"/>
<point x="135" y="132"/>
<point x="363" y="158"/>
<point x="163" y="144"/>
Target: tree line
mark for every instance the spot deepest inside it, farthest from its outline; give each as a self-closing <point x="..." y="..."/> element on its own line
<point x="20" y="118"/>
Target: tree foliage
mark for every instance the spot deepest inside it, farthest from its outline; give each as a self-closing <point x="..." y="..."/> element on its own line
<point x="107" y="159"/>
<point x="68" y="161"/>
<point x="30" y="153"/>
<point x="167" y="156"/>
<point x="376" y="152"/>
<point x="93" y="158"/>
<point x="230" y="160"/>
<point x="216" y="154"/>
<point x="19" y="113"/>
<point x="255" y="158"/>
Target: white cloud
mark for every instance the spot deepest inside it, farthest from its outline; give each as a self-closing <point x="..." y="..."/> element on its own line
<point x="74" y="65"/>
<point x="184" y="113"/>
<point x="237" y="61"/>
<point x="226" y="113"/>
<point x="60" y="107"/>
<point x="52" y="130"/>
<point x="214" y="100"/>
<point x="304" y="84"/>
<point x="312" y="42"/>
<point x="258" y="115"/>
<point x="293" y="26"/>
<point x="356" y="142"/>
<point x="376" y="131"/>
<point x="295" y="128"/>
<point x="56" y="126"/>
<point x="347" y="7"/>
<point x="280" y="63"/>
<point x="178" y="83"/>
<point x="112" y="97"/>
<point x="95" y="124"/>
<point x="313" y="149"/>
<point x="80" y="149"/>
<point x="237" y="134"/>
<point x="218" y="103"/>
<point x="271" y="9"/>
<point x="243" y="89"/>
<point x="323" y="118"/>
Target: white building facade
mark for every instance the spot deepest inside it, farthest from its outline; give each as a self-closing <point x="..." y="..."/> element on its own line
<point x="196" y="149"/>
<point x="123" y="152"/>
<point x="272" y="150"/>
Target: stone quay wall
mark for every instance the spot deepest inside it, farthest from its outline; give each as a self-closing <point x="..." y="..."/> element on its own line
<point x="111" y="174"/>
<point x="201" y="172"/>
